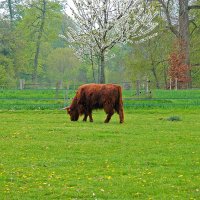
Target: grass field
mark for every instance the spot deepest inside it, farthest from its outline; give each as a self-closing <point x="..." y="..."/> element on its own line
<point x="46" y="156"/>
<point x="51" y="99"/>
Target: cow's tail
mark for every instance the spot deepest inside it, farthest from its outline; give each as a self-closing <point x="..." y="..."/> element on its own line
<point x="120" y="109"/>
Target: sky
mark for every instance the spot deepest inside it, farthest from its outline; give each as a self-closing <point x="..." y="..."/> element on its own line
<point x="1" y="10"/>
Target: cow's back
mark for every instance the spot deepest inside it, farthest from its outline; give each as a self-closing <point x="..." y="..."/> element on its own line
<point x="97" y="95"/>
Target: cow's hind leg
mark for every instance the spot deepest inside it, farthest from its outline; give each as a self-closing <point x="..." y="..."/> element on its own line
<point x="120" y="112"/>
<point x="109" y="112"/>
<point x="121" y="115"/>
<point x="90" y="116"/>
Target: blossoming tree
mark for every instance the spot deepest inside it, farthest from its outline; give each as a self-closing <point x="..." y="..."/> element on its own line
<point x="102" y="24"/>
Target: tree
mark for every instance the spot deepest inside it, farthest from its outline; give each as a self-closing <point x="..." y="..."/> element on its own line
<point x="40" y="24"/>
<point x="195" y="46"/>
<point x="150" y="58"/>
<point x="6" y="71"/>
<point x="177" y="16"/>
<point x="10" y="9"/>
<point x="156" y="51"/>
<point x="102" y="24"/>
<point x="7" y="44"/>
<point x="178" y="69"/>
<point x="9" y="41"/>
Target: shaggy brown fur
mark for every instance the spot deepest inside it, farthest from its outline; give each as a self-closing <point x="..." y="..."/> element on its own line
<point x="97" y="96"/>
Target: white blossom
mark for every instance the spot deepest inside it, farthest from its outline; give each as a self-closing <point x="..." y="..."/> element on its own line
<point x="101" y="24"/>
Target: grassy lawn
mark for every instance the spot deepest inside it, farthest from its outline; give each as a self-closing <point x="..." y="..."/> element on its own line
<point x="46" y="156"/>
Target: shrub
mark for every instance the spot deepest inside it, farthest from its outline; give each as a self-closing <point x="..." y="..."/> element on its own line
<point x="174" y="118"/>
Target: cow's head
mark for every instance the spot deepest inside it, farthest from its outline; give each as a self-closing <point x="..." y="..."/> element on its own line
<point x="73" y="113"/>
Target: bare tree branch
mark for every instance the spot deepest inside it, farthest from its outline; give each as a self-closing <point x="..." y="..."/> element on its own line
<point x="166" y="11"/>
<point x="193" y="7"/>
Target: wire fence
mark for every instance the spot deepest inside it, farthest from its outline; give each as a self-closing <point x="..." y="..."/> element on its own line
<point x="40" y="99"/>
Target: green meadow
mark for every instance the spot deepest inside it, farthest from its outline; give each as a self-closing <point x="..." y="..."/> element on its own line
<point x="42" y="99"/>
<point x="46" y="156"/>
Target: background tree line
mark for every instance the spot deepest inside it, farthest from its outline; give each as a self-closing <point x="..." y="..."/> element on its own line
<point x="31" y="49"/>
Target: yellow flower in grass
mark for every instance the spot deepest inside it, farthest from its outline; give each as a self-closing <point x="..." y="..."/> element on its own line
<point x="108" y="177"/>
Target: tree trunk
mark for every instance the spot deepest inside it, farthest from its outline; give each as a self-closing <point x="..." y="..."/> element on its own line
<point x="35" y="73"/>
<point x="184" y="26"/>
<point x="92" y="63"/>
<point x="99" y="71"/>
<point x="10" y="10"/>
<point x="102" y="68"/>
<point x="184" y="32"/>
<point x="165" y="77"/>
<point x="153" y="69"/>
<point x="93" y="73"/>
<point x="38" y="43"/>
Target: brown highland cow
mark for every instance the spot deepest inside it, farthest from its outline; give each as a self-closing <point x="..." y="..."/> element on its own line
<point x="96" y="96"/>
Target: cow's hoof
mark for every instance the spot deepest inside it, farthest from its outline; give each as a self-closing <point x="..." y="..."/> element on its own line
<point x="91" y="120"/>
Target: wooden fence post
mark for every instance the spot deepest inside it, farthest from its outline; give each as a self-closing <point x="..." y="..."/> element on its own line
<point x="137" y="87"/>
<point x="21" y="84"/>
<point x="66" y="94"/>
<point x="60" y="84"/>
<point x="147" y="86"/>
<point x="57" y="88"/>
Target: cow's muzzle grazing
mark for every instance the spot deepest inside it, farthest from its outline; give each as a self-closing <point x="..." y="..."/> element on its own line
<point x="73" y="113"/>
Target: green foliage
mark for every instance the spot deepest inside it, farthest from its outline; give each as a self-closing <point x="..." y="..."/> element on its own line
<point x="62" y="65"/>
<point x="3" y="78"/>
<point x="46" y="156"/>
<point x="116" y="71"/>
<point x="136" y="63"/>
<point x="6" y="71"/>
<point x="29" y="24"/>
<point x="29" y="29"/>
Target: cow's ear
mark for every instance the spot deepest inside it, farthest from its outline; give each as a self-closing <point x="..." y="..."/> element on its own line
<point x="68" y="109"/>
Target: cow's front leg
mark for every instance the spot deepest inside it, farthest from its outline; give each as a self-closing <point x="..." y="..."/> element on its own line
<point x="90" y="116"/>
<point x="109" y="115"/>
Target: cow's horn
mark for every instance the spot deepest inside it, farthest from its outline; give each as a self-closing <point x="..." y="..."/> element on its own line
<point x="65" y="108"/>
